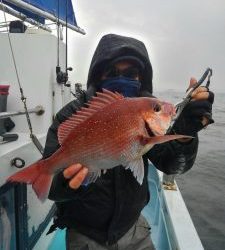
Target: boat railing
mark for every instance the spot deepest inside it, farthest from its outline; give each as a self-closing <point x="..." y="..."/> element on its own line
<point x="44" y="14"/>
<point x="23" y="17"/>
<point x="171" y="224"/>
<point x="38" y="110"/>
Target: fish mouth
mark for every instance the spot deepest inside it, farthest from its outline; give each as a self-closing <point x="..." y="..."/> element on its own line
<point x="149" y="130"/>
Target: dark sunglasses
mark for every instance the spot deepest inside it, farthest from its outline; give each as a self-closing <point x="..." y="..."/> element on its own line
<point x="131" y="72"/>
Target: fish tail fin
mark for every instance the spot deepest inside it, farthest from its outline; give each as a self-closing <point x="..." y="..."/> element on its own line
<point x="34" y="175"/>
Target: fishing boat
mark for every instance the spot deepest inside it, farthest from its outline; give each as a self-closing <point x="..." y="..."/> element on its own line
<point x="34" y="71"/>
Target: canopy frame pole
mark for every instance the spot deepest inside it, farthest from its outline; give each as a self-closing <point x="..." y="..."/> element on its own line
<point x="23" y="17"/>
<point x="44" y="14"/>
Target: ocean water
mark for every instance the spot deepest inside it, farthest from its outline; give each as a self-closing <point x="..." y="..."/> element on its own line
<point x="203" y="187"/>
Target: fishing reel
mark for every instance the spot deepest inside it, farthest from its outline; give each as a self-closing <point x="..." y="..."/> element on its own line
<point x="62" y="77"/>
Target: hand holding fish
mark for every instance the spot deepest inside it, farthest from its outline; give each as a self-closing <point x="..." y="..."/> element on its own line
<point x="76" y="174"/>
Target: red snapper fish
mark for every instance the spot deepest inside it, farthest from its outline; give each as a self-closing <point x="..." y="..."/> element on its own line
<point x="112" y="131"/>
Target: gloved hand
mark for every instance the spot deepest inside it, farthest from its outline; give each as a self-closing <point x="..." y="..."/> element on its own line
<point x="197" y="114"/>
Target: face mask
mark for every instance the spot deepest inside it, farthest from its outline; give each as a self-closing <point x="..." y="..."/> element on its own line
<point x="125" y="86"/>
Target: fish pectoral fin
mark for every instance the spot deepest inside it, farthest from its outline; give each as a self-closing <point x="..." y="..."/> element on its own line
<point x="144" y="140"/>
<point x="137" y="167"/>
<point x="91" y="177"/>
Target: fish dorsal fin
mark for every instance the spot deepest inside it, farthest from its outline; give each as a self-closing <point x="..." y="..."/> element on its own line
<point x="96" y="104"/>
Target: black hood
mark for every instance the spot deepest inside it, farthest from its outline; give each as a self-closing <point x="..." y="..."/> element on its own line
<point x="112" y="46"/>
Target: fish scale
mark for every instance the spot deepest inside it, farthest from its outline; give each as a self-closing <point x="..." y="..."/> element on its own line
<point x="111" y="131"/>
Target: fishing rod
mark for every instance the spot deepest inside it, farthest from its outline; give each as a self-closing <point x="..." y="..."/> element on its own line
<point x="62" y="77"/>
<point x="181" y="105"/>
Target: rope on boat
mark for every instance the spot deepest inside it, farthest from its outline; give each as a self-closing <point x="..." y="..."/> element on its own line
<point x="23" y="98"/>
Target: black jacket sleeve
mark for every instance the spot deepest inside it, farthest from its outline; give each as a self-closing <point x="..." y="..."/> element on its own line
<point x="60" y="190"/>
<point x="174" y="157"/>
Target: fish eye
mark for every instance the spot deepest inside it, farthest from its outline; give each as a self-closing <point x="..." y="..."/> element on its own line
<point x="157" y="107"/>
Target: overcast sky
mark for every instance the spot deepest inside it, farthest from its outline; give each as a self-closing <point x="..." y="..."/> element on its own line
<point x="183" y="38"/>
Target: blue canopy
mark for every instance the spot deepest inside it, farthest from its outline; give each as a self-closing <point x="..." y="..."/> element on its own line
<point x="50" y="6"/>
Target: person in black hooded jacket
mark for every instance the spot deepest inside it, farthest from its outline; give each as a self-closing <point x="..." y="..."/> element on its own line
<point x="106" y="214"/>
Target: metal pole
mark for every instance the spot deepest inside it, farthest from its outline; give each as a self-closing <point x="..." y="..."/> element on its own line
<point x="38" y="110"/>
<point x="44" y="14"/>
<point x="23" y="17"/>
